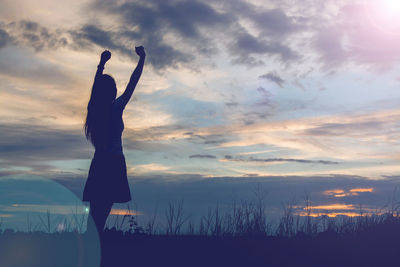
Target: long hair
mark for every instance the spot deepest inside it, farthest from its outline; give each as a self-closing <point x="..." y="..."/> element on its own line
<point x="97" y="124"/>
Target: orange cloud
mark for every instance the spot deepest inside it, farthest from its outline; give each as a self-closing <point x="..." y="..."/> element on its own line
<point x="331" y="214"/>
<point x="334" y="207"/>
<point x="351" y="192"/>
<point x="123" y="212"/>
<point x="361" y="190"/>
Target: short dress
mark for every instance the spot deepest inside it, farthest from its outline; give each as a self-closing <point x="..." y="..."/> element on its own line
<point x="107" y="179"/>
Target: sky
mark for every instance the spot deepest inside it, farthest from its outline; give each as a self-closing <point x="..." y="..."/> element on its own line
<point x="294" y="95"/>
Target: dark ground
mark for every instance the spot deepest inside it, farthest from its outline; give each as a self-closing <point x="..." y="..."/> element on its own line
<point x="327" y="249"/>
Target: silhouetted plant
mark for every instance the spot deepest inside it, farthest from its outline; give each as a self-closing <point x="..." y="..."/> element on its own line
<point x="79" y="220"/>
<point x="175" y="218"/>
<point x="286" y="222"/>
<point x="150" y="228"/>
<point x="241" y="219"/>
<point x="46" y="223"/>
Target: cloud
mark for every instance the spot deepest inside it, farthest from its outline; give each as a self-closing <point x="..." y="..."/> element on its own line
<point x="270" y="21"/>
<point x="329" y="45"/>
<point x="338" y="129"/>
<point x="275" y="22"/>
<point x="273" y="160"/>
<point x="17" y="60"/>
<point x="231" y="104"/>
<point x="273" y="27"/>
<point x="160" y="55"/>
<point x="33" y="146"/>
<point x="273" y="77"/>
<point x="177" y="33"/>
<point x="246" y="49"/>
<point x="21" y="63"/>
<point x="155" y="20"/>
<point x="187" y="17"/>
<point x="202" y="156"/>
<point x="5" y="38"/>
<point x="174" y="33"/>
<point x="207" y="139"/>
<point x="193" y="24"/>
<point x="356" y="34"/>
<point x="89" y="35"/>
<point x="348" y="136"/>
<point x="32" y="34"/>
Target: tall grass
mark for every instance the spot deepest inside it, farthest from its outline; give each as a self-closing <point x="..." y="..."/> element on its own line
<point x="240" y="219"/>
<point x="248" y="218"/>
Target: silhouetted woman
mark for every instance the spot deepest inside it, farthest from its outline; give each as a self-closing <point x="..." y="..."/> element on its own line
<point x="107" y="181"/>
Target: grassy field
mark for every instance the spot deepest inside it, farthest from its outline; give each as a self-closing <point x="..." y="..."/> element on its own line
<point x="242" y="237"/>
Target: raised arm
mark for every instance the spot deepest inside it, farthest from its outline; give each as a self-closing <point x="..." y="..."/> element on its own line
<point x="124" y="98"/>
<point x="105" y="56"/>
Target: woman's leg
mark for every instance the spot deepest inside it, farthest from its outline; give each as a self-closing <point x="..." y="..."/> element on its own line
<point x="99" y="211"/>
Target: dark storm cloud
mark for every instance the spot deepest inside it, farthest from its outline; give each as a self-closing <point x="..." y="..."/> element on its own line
<point x="175" y="33"/>
<point x="251" y="159"/>
<point x="187" y="17"/>
<point x="199" y="26"/>
<point x="155" y="19"/>
<point x="202" y="156"/>
<point x="31" y="145"/>
<point x="184" y="17"/>
<point x="38" y="37"/>
<point x="273" y="77"/>
<point x="194" y="28"/>
<point x="123" y="41"/>
<point x="92" y="34"/>
<point x="164" y="55"/>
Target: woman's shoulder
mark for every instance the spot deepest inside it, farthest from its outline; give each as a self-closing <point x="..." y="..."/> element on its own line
<point x="118" y="104"/>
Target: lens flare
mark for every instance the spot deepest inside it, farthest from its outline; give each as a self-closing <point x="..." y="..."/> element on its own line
<point x="384" y="15"/>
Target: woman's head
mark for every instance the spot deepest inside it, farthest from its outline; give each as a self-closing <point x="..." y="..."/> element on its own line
<point x="105" y="91"/>
<point x="97" y="121"/>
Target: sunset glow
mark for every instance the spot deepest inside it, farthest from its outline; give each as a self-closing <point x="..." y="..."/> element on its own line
<point x="347" y="193"/>
<point x="333" y="210"/>
<point x="333" y="207"/>
<point x="330" y="214"/>
<point x="123" y="212"/>
<point x="361" y="190"/>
